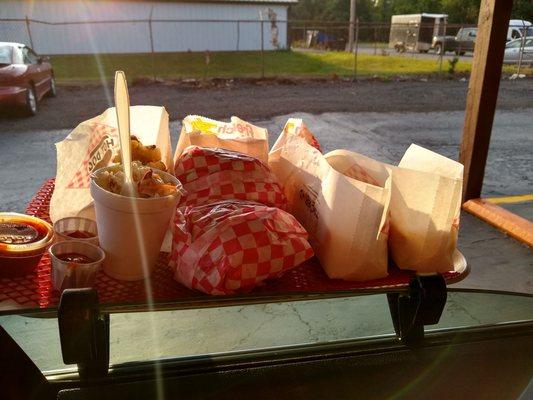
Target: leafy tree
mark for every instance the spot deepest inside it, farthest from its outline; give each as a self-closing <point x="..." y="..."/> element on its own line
<point x="459" y="11"/>
<point x="523" y="9"/>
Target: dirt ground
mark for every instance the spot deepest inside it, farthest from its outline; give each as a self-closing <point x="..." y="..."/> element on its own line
<point x="261" y="100"/>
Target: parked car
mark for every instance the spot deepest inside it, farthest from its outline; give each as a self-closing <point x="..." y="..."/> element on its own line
<point x="466" y="37"/>
<point x="518" y="28"/>
<point x="515" y="47"/>
<point x="25" y="78"/>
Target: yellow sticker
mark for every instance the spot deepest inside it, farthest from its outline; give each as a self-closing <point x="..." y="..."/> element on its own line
<point x="203" y="126"/>
<point x="289" y="127"/>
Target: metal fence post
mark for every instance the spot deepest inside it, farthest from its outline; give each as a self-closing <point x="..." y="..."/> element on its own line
<point x="238" y="34"/>
<point x="522" y="49"/>
<point x="375" y="40"/>
<point x="152" y="43"/>
<point x="441" y="55"/>
<point x="262" y="50"/>
<point x="356" y="45"/>
<point x="29" y="32"/>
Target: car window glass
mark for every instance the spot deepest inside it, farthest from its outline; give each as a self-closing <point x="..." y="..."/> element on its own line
<point x="33" y="55"/>
<point x="17" y="55"/>
<point x="29" y="56"/>
<point x="5" y="55"/>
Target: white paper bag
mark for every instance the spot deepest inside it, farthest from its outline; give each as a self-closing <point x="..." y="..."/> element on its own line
<point x="237" y="135"/>
<point x="425" y="209"/>
<point x="346" y="218"/>
<point x="92" y="145"/>
<point x="425" y="202"/>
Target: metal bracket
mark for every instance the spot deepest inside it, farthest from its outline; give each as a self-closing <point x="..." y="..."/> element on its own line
<point x="421" y="305"/>
<point x="84" y="332"/>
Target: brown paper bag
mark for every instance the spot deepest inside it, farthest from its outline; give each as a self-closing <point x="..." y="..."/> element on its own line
<point x="425" y="208"/>
<point x="92" y="145"/>
<point x="237" y="135"/>
<point x="346" y="218"/>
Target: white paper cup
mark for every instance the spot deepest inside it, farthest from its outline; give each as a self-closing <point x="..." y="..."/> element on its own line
<point x="73" y="275"/>
<point x="131" y="230"/>
<point x="71" y="224"/>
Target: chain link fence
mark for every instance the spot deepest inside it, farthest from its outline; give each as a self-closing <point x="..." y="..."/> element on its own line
<point x="169" y="44"/>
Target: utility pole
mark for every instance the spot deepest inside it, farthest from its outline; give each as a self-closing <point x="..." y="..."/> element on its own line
<point x="352" y="25"/>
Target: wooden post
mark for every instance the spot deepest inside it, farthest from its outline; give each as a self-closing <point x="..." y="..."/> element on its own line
<point x="482" y="94"/>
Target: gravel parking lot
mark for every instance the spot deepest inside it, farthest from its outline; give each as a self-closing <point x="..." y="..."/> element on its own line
<point x="261" y="100"/>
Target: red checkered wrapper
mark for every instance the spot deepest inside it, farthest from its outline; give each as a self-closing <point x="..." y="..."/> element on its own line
<point x="210" y="174"/>
<point x="232" y="246"/>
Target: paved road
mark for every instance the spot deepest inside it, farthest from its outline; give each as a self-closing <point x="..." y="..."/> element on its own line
<point x="28" y="157"/>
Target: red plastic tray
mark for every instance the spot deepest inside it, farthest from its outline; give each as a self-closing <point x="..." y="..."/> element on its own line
<point x="35" y="290"/>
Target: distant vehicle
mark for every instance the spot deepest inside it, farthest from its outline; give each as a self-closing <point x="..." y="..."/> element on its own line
<point x="25" y="78"/>
<point x="462" y="42"/>
<point x="515" y="47"/>
<point x="414" y="32"/>
<point x="518" y="28"/>
<point x="465" y="40"/>
<point x="324" y="40"/>
<point x="466" y="37"/>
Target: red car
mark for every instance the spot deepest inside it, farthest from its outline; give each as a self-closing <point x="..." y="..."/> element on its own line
<point x="25" y="78"/>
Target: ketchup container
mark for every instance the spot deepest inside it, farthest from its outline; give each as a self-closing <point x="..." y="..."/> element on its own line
<point x="23" y="240"/>
<point x="75" y="264"/>
<point x="76" y="228"/>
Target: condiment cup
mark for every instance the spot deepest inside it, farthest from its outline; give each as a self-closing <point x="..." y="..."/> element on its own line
<point x="19" y="259"/>
<point x="73" y="224"/>
<point x="67" y="274"/>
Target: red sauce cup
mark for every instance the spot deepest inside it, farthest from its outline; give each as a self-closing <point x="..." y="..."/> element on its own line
<point x="76" y="228"/>
<point x="19" y="258"/>
<point x="69" y="274"/>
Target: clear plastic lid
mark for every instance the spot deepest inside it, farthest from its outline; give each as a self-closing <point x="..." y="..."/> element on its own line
<point x="22" y="235"/>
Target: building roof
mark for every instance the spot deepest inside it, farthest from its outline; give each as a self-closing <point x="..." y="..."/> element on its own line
<point x="217" y="1"/>
<point x="243" y="1"/>
<point x="288" y="2"/>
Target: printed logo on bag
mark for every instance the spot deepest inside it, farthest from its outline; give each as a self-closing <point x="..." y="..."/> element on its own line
<point x="306" y="210"/>
<point x="243" y="129"/>
<point x="309" y="196"/>
<point x="99" y="153"/>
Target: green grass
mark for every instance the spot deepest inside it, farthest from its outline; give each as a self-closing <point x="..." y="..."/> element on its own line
<point x="90" y="68"/>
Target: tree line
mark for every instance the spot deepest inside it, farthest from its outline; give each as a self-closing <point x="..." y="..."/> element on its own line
<point x="459" y="11"/>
